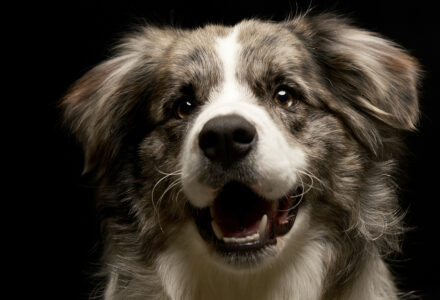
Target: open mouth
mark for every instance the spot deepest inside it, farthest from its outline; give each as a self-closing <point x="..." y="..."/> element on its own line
<point x="241" y="221"/>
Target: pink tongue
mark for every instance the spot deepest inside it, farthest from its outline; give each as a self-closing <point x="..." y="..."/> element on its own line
<point x="238" y="211"/>
<point x="232" y="229"/>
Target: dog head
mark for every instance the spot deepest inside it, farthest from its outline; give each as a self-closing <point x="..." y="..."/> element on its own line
<point x="241" y="130"/>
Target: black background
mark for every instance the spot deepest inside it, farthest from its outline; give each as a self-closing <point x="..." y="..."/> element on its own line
<point x="58" y="43"/>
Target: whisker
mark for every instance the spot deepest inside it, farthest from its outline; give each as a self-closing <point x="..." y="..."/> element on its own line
<point x="156" y="205"/>
<point x="176" y="198"/>
<point x="171" y="186"/>
<point x="295" y="196"/>
<point x="312" y="176"/>
<point x="301" y="196"/>
<point x="177" y="172"/>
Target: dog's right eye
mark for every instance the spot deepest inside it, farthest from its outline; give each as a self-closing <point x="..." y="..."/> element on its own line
<point x="284" y="98"/>
<point x="183" y="109"/>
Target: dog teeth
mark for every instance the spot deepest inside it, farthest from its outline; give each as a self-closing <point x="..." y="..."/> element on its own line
<point x="249" y="238"/>
<point x="263" y="224"/>
<point x="217" y="231"/>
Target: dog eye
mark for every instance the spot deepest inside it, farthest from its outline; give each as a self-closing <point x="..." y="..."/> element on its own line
<point x="183" y="109"/>
<point x="284" y="98"/>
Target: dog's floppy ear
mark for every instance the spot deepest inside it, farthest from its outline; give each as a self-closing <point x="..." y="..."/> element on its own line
<point x="98" y="107"/>
<point x="372" y="79"/>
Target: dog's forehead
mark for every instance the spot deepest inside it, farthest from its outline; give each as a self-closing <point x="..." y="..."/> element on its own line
<point x="251" y="55"/>
<point x="252" y="44"/>
<point x="265" y="37"/>
<point x="255" y="55"/>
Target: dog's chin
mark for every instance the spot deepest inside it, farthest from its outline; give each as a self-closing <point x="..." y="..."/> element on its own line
<point x="242" y="227"/>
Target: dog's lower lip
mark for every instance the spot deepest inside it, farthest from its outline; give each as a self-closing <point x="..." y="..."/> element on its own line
<point x="254" y="224"/>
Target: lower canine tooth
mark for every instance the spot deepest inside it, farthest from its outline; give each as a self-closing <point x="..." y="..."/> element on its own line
<point x="262" y="226"/>
<point x="217" y="230"/>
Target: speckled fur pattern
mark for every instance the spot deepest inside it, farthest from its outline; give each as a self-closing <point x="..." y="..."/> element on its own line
<point x="357" y="96"/>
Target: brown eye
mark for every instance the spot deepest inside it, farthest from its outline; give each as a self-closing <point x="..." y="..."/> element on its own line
<point x="284" y="98"/>
<point x="184" y="108"/>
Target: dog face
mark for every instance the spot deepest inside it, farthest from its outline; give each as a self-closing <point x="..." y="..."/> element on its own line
<point x="241" y="140"/>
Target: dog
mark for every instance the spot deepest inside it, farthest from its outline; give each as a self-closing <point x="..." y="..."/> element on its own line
<point x="248" y="162"/>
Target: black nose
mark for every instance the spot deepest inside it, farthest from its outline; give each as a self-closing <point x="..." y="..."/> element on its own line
<point x="227" y="139"/>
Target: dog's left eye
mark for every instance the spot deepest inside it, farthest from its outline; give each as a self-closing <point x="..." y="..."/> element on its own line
<point x="184" y="108"/>
<point x="284" y="98"/>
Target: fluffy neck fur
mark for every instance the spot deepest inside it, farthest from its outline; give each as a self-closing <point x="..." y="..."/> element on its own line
<point x="185" y="272"/>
